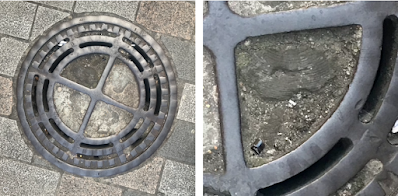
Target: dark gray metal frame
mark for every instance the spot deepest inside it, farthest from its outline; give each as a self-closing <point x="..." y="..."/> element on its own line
<point x="57" y="152"/>
<point x="223" y="30"/>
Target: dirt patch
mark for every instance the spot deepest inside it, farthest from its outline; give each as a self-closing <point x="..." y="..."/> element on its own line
<point x="86" y="70"/>
<point x="121" y="85"/>
<point x="71" y="106"/>
<point x="290" y="84"/>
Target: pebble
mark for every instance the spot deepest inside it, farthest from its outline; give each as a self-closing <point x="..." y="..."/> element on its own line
<point x="272" y="151"/>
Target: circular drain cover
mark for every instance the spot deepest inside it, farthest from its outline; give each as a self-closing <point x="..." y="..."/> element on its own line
<point x="64" y="97"/>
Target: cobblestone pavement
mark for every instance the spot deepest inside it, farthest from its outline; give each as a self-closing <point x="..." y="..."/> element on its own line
<point x="170" y="171"/>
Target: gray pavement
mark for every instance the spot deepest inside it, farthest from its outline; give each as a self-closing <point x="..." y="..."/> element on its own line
<point x="170" y="171"/>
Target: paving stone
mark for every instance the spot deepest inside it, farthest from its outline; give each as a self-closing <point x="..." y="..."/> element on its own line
<point x="126" y="9"/>
<point x="45" y="18"/>
<point x="71" y="185"/>
<point x="181" y="145"/>
<point x="135" y="193"/>
<point x="183" y="55"/>
<point x="177" y="183"/>
<point x="144" y="179"/>
<point x="5" y="96"/>
<point x="17" y="178"/>
<point x="11" y="142"/>
<point x="187" y="106"/>
<point x="173" y="18"/>
<point x="10" y="54"/>
<point x="66" y="5"/>
<point x="16" y="18"/>
<point x="40" y="161"/>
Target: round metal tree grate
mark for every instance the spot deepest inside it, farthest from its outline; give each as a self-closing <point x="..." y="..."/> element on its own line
<point x="71" y="150"/>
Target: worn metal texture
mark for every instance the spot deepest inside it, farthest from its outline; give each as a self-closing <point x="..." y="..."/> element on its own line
<point x="41" y="71"/>
<point x="361" y="142"/>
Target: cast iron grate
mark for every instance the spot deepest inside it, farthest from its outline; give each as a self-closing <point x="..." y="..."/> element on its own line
<point x="152" y="119"/>
<point x="347" y="141"/>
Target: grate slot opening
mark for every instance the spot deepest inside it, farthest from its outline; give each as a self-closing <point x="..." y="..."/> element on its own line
<point x="104" y="44"/>
<point x="34" y="90"/>
<point x="140" y="140"/>
<point x="102" y="33"/>
<point x="147" y="95"/>
<point x="144" y="135"/>
<point x="129" y="134"/>
<point x="331" y="158"/>
<point x="52" y="51"/>
<point x="90" y="157"/>
<point x="385" y="71"/>
<point x="46" y="133"/>
<point x="59" y="59"/>
<point x="158" y="94"/>
<point x="45" y="100"/>
<point x="60" y="132"/>
<point x="139" y="50"/>
<point x="130" y="57"/>
<point x="91" y="146"/>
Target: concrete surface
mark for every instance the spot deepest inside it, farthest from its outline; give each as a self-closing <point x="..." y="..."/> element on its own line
<point x="11" y="52"/>
<point x="71" y="185"/>
<point x="22" y="179"/>
<point x="21" y="14"/>
<point x="46" y="17"/>
<point x="24" y="172"/>
<point x="6" y="100"/>
<point x="126" y="9"/>
<point x="183" y="53"/>
<point x="66" y="5"/>
<point x="177" y="183"/>
<point x="153" y="13"/>
<point x="187" y="107"/>
<point x="181" y="143"/>
<point x="12" y="145"/>
<point x="146" y="177"/>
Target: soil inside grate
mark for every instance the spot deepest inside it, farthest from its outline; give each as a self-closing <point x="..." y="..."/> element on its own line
<point x="290" y="84"/>
<point x="71" y="106"/>
<point x="86" y="70"/>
